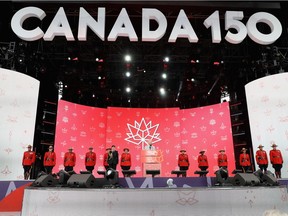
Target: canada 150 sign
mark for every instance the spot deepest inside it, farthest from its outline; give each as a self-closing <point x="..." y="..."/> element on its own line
<point x="123" y="26"/>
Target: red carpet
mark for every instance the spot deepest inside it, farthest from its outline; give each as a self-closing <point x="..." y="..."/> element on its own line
<point x="13" y="202"/>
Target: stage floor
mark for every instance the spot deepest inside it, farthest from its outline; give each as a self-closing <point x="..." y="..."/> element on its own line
<point x="243" y="200"/>
<point x="143" y="196"/>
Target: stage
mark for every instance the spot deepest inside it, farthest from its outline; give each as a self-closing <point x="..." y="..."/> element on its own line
<point x="148" y="196"/>
<point x="156" y="201"/>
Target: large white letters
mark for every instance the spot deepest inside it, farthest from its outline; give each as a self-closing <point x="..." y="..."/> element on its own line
<point x="158" y="16"/>
<point x="232" y="21"/>
<point x="269" y="19"/>
<point x="183" y="29"/>
<point x="213" y="21"/>
<point x="85" y="19"/>
<point x="59" y="27"/>
<point x="123" y="27"/>
<point x="18" y="19"/>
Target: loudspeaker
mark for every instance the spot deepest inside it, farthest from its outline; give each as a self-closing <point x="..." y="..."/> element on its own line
<point x="269" y="180"/>
<point x="81" y="181"/>
<point x="45" y="181"/>
<point x="245" y="179"/>
<point x="101" y="182"/>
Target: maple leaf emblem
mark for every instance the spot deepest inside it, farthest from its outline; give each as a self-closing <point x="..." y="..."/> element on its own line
<point x="141" y="133"/>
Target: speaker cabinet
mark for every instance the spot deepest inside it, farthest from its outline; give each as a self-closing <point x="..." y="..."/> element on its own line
<point x="101" y="183"/>
<point x="45" y="181"/>
<point x="245" y="179"/>
<point x="269" y="180"/>
<point x="81" y="181"/>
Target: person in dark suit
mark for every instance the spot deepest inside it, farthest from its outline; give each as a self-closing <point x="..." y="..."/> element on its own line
<point x="113" y="158"/>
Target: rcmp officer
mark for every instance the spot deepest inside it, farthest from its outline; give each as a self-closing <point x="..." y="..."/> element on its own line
<point x="49" y="160"/>
<point x="28" y="160"/>
<point x="125" y="160"/>
<point x="69" y="160"/>
<point x="276" y="160"/>
<point x="222" y="159"/>
<point x="90" y="160"/>
<point x="183" y="161"/>
<point x="203" y="162"/>
<point x="262" y="158"/>
<point x="105" y="158"/>
<point x="244" y="160"/>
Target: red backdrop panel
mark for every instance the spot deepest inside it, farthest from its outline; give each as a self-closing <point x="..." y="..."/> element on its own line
<point x="170" y="130"/>
<point x="207" y="128"/>
<point x="79" y="127"/>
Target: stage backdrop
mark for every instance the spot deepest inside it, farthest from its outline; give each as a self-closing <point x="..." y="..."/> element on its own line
<point x="18" y="105"/>
<point x="267" y="102"/>
<point x="79" y="127"/>
<point x="170" y="130"/>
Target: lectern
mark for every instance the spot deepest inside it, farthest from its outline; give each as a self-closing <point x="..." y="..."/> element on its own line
<point x="151" y="160"/>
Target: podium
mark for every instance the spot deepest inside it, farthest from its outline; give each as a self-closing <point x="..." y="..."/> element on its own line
<point x="151" y="160"/>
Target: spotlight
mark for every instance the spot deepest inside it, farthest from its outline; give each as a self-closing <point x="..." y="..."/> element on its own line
<point x="128" y="89"/>
<point x="162" y="91"/>
<point x="166" y="59"/>
<point x="127" y="58"/>
<point x="112" y="176"/>
<point x="221" y="176"/>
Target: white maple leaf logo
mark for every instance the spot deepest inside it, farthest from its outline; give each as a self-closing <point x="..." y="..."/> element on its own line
<point x="141" y="133"/>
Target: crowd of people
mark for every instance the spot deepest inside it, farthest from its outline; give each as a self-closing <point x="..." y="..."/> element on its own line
<point x="111" y="160"/>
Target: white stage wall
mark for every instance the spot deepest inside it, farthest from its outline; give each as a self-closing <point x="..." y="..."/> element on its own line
<point x="18" y="106"/>
<point x="267" y="102"/>
<point x="157" y="201"/>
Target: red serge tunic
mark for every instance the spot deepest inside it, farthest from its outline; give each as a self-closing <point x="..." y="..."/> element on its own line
<point x="261" y="157"/>
<point x="244" y="160"/>
<point x="183" y="160"/>
<point x="49" y="159"/>
<point x="105" y="159"/>
<point x="125" y="159"/>
<point x="90" y="159"/>
<point x="69" y="159"/>
<point x="28" y="158"/>
<point x="202" y="161"/>
<point x="276" y="157"/>
<point x="222" y="160"/>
